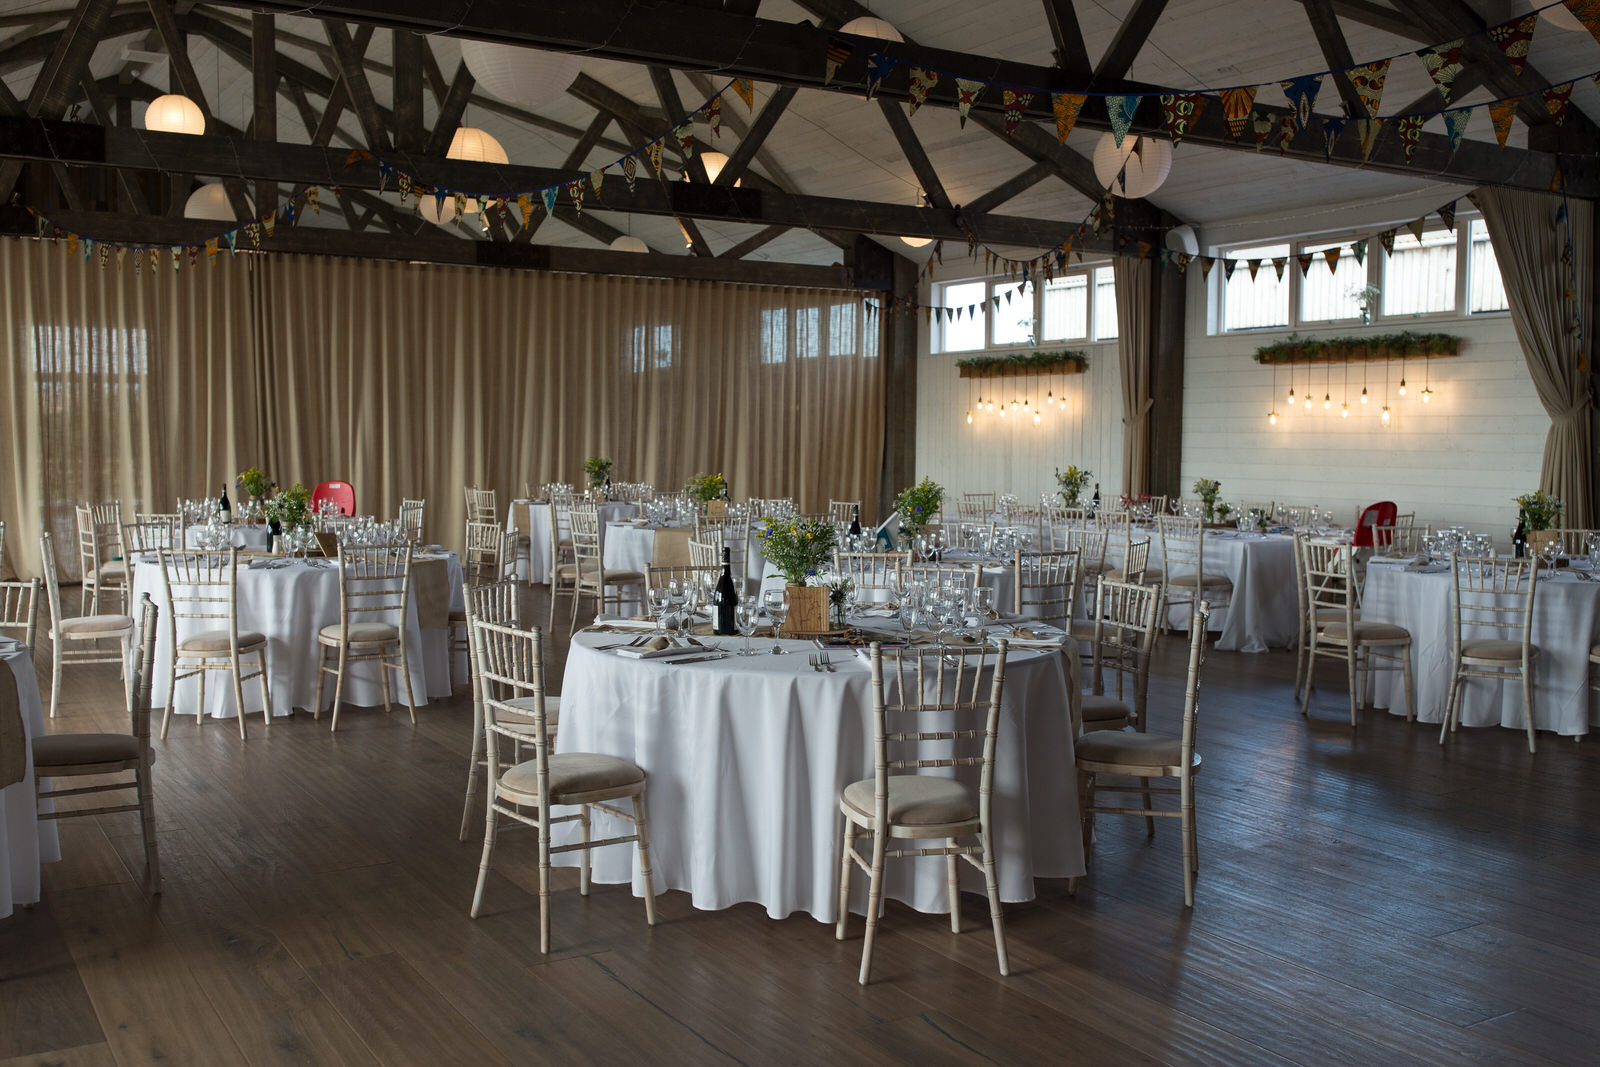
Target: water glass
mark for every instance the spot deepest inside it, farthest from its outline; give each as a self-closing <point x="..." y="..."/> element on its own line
<point x="776" y="603"/>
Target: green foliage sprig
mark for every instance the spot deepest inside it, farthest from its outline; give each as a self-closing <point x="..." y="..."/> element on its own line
<point x="1034" y="362"/>
<point x="919" y="505"/>
<point x="1540" y="510"/>
<point x="598" y="468"/>
<point x="1296" y="348"/>
<point x="798" y="547"/>
<point x="255" y="482"/>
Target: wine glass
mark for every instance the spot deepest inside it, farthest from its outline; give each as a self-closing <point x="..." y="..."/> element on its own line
<point x="983" y="600"/>
<point x="659" y="600"/>
<point x="691" y="607"/>
<point x="746" y="616"/>
<point x="776" y="602"/>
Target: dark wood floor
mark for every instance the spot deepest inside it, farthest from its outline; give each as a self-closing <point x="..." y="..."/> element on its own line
<point x="1365" y="897"/>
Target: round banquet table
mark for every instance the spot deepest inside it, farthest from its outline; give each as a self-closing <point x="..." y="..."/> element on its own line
<point x="747" y="756"/>
<point x="1262" y="613"/>
<point x="290" y="600"/>
<point x="1001" y="577"/>
<point x="1566" y="624"/>
<point x="240" y="535"/>
<point x="25" y="840"/>
<point x="534" y="515"/>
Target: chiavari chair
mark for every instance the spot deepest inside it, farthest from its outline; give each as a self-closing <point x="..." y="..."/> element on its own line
<point x="90" y="629"/>
<point x="1496" y="595"/>
<point x="1126" y="619"/>
<point x="374" y="597"/>
<point x="201" y="590"/>
<point x="589" y="571"/>
<point x="19" y="611"/>
<point x="100" y="554"/>
<point x="411" y="513"/>
<point x="1183" y="557"/>
<point x="1046" y="585"/>
<point x="1330" y="577"/>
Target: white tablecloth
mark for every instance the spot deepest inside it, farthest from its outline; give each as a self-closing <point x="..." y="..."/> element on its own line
<point x="533" y="517"/>
<point x="290" y="605"/>
<point x="240" y="535"/>
<point x="1566" y="624"/>
<point x="25" y="840"/>
<point x="1262" y="611"/>
<point x="746" y="758"/>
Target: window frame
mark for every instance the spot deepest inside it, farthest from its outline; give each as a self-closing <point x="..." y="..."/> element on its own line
<point x="1035" y="293"/>
<point x="1375" y="266"/>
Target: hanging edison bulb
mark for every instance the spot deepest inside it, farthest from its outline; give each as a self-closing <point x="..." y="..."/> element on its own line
<point x="1013" y="403"/>
<point x="1024" y="405"/>
<point x="1344" y="410"/>
<point x="1272" y="417"/>
<point x="1363" y="394"/>
<point x="1426" y="394"/>
<point x="1050" y="398"/>
<point x="991" y="405"/>
<point x="1327" y="401"/>
<point x="969" y="416"/>
<point x="1402" y="387"/>
<point x="1036" y="418"/>
<point x="1308" y="400"/>
<point x="1383" y="416"/>
<point x="1291" y="394"/>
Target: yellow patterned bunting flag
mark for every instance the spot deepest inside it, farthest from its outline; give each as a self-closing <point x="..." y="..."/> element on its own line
<point x="922" y="82"/>
<point x="838" y="51"/>
<point x="1500" y="114"/>
<point x="1588" y="13"/>
<point x="1331" y="256"/>
<point x="1368" y="81"/>
<point x="1066" y="107"/>
<point x="1236" y="105"/>
<point x="1367" y="130"/>
<point x="747" y="92"/>
<point x="1443" y="63"/>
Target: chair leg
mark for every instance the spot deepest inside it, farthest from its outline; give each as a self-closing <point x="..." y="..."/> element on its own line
<point x="1351" y="652"/>
<point x="147" y="824"/>
<point x="55" y="684"/>
<point x="266" y="693"/>
<point x="1190" y="864"/>
<point x="585" y="815"/>
<point x="646" y="876"/>
<point x="1450" y="701"/>
<point x="874" y="901"/>
<point x="1149" y="820"/>
<point x="544" y="880"/>
<point x="1311" y="674"/>
<point x="338" y="688"/>
<point x="322" y="673"/>
<point x="1301" y="645"/>
<point x="405" y="673"/>
<point x="238" y="696"/>
<point x="1085" y="816"/>
<point x="200" y="712"/>
<point x="1527" y="705"/>
<point x="995" y="916"/>
<point x="1410" y="683"/>
<point x="383" y="684"/>
<point x="846" y="869"/>
<point x="489" y="826"/>
<point x="952" y="885"/>
<point x="472" y="762"/>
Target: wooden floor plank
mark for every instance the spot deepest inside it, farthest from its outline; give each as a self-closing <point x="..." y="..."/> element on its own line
<point x="43" y="1005"/>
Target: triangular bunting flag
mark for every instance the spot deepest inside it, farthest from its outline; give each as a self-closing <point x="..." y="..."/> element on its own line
<point x="1121" y="109"/>
<point x="1359" y="250"/>
<point x="967" y="91"/>
<point x="1443" y="62"/>
<point x="1278" y="263"/>
<point x="177" y="258"/>
<point x="1066" y="106"/>
<point x="714" y="115"/>
<point x="1262" y="123"/>
<point x="121" y="255"/>
<point x="922" y="82"/>
<point x="232" y="237"/>
<point x="1183" y="259"/>
<point x="194" y="256"/>
<point x="1556" y="100"/>
<point x="404" y="187"/>
<point x="549" y="197"/>
<point x="1181" y="110"/>
<point x="311" y="195"/>
<point x="269" y="222"/>
<point x="1304" y="259"/>
<point x="1253" y="265"/>
<point x="1331" y="128"/>
<point x="1588" y="13"/>
<point x="654" y="151"/>
<point x="1386" y="239"/>
<point x="839" y="50"/>
<point x="1302" y="94"/>
<point x="878" y="68"/>
<point x="1368" y="81"/>
<point x="1144" y="249"/>
<point x="1455" y="124"/>
<point x="1331" y="256"/>
<point x="1500" y="115"/>
<point x="1236" y="105"/>
<point x="1410" y="129"/>
<point x="575" y="191"/>
<point x="1016" y="104"/>
<point x="597" y="176"/>
<point x="1447" y="215"/>
<point x="1286" y="133"/>
<point x="1514" y="39"/>
<point x="1417" y="225"/>
<point x="155" y="262"/>
<point x="630" y="171"/>
<point x="1228" y="267"/>
<point x="1206" y="263"/>
<point x="525" y="205"/>
<point x="747" y="92"/>
<point x="1367" y="130"/>
<point x="685" y="135"/>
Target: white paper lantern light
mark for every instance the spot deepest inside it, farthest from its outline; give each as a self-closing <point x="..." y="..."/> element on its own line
<point x="174" y="114"/>
<point x="1135" y="174"/>
<point x="629" y="243"/>
<point x="871" y="27"/>
<point x="211" y="202"/>
<point x="917" y="242"/>
<point x="440" y="214"/>
<point x="526" y="77"/>
<point x="475" y="146"/>
<point x="714" y="162"/>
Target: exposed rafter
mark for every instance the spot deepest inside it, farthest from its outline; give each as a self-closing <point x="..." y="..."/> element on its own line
<point x="264" y="86"/>
<point x="754" y="241"/>
<point x="1335" y="52"/>
<point x="740" y="158"/>
<point x="1039" y="146"/>
<point x="1071" y="54"/>
<point x="573" y="162"/>
<point x="1130" y="38"/>
<point x="1012" y="187"/>
<point x="921" y="166"/>
<point x="354" y="78"/>
<point x="450" y="112"/>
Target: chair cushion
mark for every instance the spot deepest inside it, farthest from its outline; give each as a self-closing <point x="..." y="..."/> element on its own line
<point x="1127" y="747"/>
<point x="62" y="750"/>
<point x="915" y="800"/>
<point x="1373" y="631"/>
<point x="1082" y="630"/>
<point x="1152" y="575"/>
<point x="1483" y="648"/>
<point x="1100" y="709"/>
<point x="114" y="571"/>
<point x="570" y="773"/>
<point x="217" y="641"/>
<point x="93" y="625"/>
<point x="361" y="633"/>
<point x="1212" y="581"/>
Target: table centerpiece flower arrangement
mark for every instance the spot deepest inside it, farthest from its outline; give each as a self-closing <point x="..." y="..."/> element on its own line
<point x="712" y="492"/>
<point x="1208" y="489"/>
<point x="919" y="505"/>
<point x="290" y="508"/>
<point x="1070" y="483"/>
<point x="598" y="468"/>
<point x="800" y="549"/>
<point x="255" y="484"/>
<point x="1540" y="512"/>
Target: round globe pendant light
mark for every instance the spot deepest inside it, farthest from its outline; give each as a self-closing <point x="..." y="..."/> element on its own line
<point x="174" y="114"/>
<point x="629" y="243"/>
<point x="527" y="77"/>
<point x="917" y="242"/>
<point x="211" y="201"/>
<point x="871" y="27"/>
<point x="474" y="146"/>
<point x="440" y="214"/>
<point x="1135" y="170"/>
<point x="714" y="162"/>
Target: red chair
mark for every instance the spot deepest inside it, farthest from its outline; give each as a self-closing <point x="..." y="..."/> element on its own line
<point x="344" y="495"/>
<point x="1380" y="514"/>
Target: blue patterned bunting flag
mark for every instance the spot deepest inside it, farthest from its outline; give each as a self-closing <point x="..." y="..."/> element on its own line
<point x="1302" y="94"/>
<point x="1120" y="109"/>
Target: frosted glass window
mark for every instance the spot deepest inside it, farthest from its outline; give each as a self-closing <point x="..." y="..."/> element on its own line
<point x="1485" y="290"/>
<point x="1066" y="308"/>
<point x="964" y="332"/>
<point x="1419" y="277"/>
<point x="1105" y="304"/>
<point x="1013" y="314"/>
<point x="1328" y="293"/>
<point x="1252" y="304"/>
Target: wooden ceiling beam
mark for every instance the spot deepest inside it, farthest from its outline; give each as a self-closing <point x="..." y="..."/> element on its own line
<point x="1335" y="52"/>
<point x="354" y="77"/>
<point x="1012" y="187"/>
<point x="406" y="85"/>
<point x="912" y="149"/>
<point x="264" y="91"/>
<point x="574" y="162"/>
<point x="1033" y="142"/>
<point x="751" y="140"/>
<point x="694" y="165"/>
<point x="754" y="241"/>
<point x="100" y="104"/>
<point x="450" y="112"/>
<point x="1072" y="55"/>
<point x="1130" y="38"/>
<point x="1379" y="17"/>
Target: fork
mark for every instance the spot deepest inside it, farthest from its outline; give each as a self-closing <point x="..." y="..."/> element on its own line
<point x="815" y="664"/>
<point x="827" y="662"/>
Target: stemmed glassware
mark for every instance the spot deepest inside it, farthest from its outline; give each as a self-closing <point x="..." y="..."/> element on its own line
<point x="746" y="616"/>
<point x="659" y="600"/>
<point x="776" y="603"/>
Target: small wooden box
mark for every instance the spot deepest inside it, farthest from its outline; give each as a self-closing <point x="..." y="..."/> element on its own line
<point x="808" y="610"/>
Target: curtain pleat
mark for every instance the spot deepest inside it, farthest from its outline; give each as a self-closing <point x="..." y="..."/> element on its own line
<point x="412" y="381"/>
<point x="1135" y="286"/>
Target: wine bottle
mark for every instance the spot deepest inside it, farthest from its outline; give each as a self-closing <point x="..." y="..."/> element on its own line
<point x="1519" y="538"/>
<point x="855" y="523"/>
<point x="227" y="509"/>
<point x="725" y="597"/>
<point x="1096" y="501"/>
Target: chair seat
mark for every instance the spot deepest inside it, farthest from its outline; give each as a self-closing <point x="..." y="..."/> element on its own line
<point x="1130" y="749"/>
<point x="1103" y="709"/>
<point x="361" y="633"/>
<point x="88" y="627"/>
<point x="114" y="571"/>
<point x="1374" y="631"/>
<point x="592" y="574"/>
<point x="1210" y="581"/>
<point x="914" y="800"/>
<point x="65" y="750"/>
<point x="1484" y="648"/>
<point x="1152" y="575"/>
<point x="571" y="774"/>
<point x="218" y="641"/>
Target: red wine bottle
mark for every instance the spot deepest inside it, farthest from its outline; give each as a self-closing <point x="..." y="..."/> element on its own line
<point x="227" y="509"/>
<point x="855" y="523"/>
<point x="725" y="597"/>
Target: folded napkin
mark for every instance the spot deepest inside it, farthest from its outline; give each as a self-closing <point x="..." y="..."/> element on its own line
<point x="661" y="646"/>
<point x="618" y="624"/>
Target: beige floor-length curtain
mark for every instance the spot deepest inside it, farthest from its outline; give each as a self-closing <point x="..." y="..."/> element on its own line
<point x="116" y="385"/>
<point x="1135" y="287"/>
<point x="1529" y="244"/>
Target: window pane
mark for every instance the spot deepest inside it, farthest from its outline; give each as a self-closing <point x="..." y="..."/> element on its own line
<point x="1105" y="304"/>
<point x="774" y="335"/>
<point x="652" y="348"/>
<point x="1066" y="308"/>
<point x="1013" y="315"/>
<point x="1420" y="276"/>
<point x="1485" y="290"/>
<point x="842" y="330"/>
<point x="964" y="331"/>
<point x="807" y="333"/>
<point x="1328" y="293"/>
<point x="1264" y="301"/>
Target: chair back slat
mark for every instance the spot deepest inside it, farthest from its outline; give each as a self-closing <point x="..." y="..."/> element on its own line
<point x="19" y="610"/>
<point x="1047" y="584"/>
<point x="481" y="504"/>
<point x="411" y="515"/>
<point x="1137" y="560"/>
<point x="511" y="666"/>
<point x="374" y="585"/>
<point x="1090" y="544"/>
<point x="1126" y="618"/>
<point x="486" y="553"/>
<point x="875" y="571"/>
<point x="1495" y="594"/>
<point x="148" y="532"/>
<point x="843" y="512"/>
<point x="659" y="577"/>
<point x="964" y="574"/>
